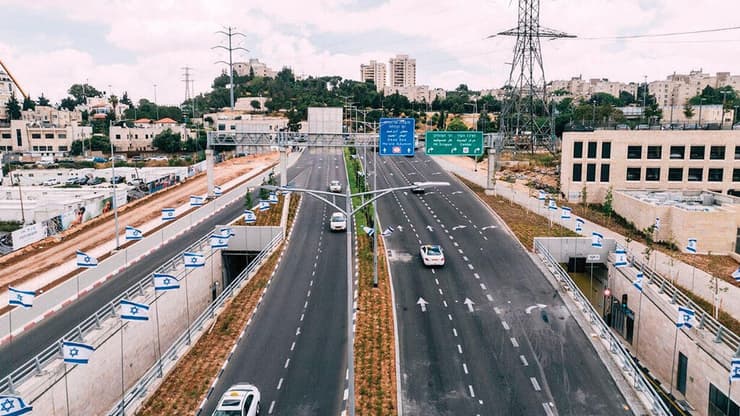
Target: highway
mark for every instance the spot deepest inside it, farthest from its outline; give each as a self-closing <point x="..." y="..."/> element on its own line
<point x="294" y="350"/>
<point x="486" y="334"/>
<point x="31" y="342"/>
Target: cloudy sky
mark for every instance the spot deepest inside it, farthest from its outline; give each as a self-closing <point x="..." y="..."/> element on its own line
<point x="130" y="45"/>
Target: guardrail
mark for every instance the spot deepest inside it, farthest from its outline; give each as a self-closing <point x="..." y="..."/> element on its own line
<point x="156" y="371"/>
<point x="615" y="346"/>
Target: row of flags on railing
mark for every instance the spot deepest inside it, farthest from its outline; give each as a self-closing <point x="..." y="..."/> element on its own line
<point x="263" y="205"/>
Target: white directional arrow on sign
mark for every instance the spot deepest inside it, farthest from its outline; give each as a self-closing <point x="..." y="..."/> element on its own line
<point x="531" y="308"/>
<point x="460" y="227"/>
<point x="429" y="227"/>
<point x="469" y="303"/>
<point x="421" y="302"/>
<point x="487" y="227"/>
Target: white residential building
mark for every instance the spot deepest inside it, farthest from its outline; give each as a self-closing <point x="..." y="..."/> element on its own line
<point x="418" y="93"/>
<point x="50" y="115"/>
<point x="577" y="87"/>
<point x="139" y="137"/>
<point x="375" y="72"/>
<point x="402" y="71"/>
<point x="254" y="65"/>
<point x="676" y="89"/>
<point x="226" y="121"/>
<point x="247" y="105"/>
<point x="41" y="139"/>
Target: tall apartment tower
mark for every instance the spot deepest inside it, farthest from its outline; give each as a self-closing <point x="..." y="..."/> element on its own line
<point x="403" y="71"/>
<point x="375" y="72"/>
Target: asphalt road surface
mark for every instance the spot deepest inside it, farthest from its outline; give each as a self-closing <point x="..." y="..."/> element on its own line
<point x="494" y="337"/>
<point x="294" y="350"/>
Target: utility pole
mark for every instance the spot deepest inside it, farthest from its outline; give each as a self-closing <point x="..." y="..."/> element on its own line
<point x="230" y="33"/>
<point x="644" y="98"/>
<point x="188" y="82"/>
<point x="724" y="98"/>
<point x="156" y="106"/>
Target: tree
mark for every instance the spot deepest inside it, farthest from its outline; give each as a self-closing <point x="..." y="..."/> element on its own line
<point x="76" y="148"/>
<point x="294" y="120"/>
<point x="608" y="206"/>
<point x="81" y="91"/>
<point x="28" y="103"/>
<point x="255" y="104"/>
<point x="688" y="110"/>
<point x="126" y="100"/>
<point x="43" y="101"/>
<point x="456" y="124"/>
<point x="13" y="108"/>
<point x="167" y="141"/>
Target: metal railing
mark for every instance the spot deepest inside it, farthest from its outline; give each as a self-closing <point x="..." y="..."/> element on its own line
<point x="155" y="372"/>
<point x="628" y="365"/>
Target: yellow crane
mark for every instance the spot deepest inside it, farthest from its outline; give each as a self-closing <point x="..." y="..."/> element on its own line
<point x="17" y="85"/>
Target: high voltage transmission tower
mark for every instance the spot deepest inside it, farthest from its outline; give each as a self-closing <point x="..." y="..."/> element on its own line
<point x="525" y="116"/>
<point x="230" y="33"/>
<point x="188" y="88"/>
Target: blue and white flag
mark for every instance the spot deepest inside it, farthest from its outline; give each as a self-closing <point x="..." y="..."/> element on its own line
<point x="196" y="201"/>
<point x="552" y="205"/>
<point x="249" y="216"/>
<point x="691" y="246"/>
<point x="13" y="406"/>
<point x="164" y="282"/>
<point x="685" y="317"/>
<point x="388" y="231"/>
<point x="273" y="199"/>
<point x="133" y="233"/>
<point x="657" y="224"/>
<point x="22" y="298"/>
<point x="76" y="353"/>
<point x="86" y="260"/>
<point x="217" y="191"/>
<point x="369" y="231"/>
<point x="541" y="195"/>
<point x="264" y="205"/>
<point x="596" y="239"/>
<point x="734" y="369"/>
<point x="226" y="232"/>
<point x="736" y="275"/>
<point x="579" y="225"/>
<point x="194" y="259"/>
<point x="565" y="213"/>
<point x="219" y="241"/>
<point x="638" y="281"/>
<point x="132" y="311"/>
<point x="620" y="257"/>
<point x="168" y="214"/>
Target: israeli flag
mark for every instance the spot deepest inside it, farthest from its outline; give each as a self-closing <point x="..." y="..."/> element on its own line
<point x="76" y="353"/>
<point x="164" y="282"/>
<point x="657" y="224"/>
<point x="273" y="199"/>
<point x="196" y="201"/>
<point x="565" y="213"/>
<point x="552" y="205"/>
<point x="226" y="232"/>
<point x="22" y="298"/>
<point x="217" y="191"/>
<point x="541" y="196"/>
<point x="132" y="311"/>
<point x="369" y="231"/>
<point x="691" y="247"/>
<point x="264" y="205"/>
<point x="219" y="241"/>
<point x="194" y="259"/>
<point x="388" y="231"/>
<point x="13" y="406"/>
<point x="596" y="239"/>
<point x="86" y="260"/>
<point x="133" y="233"/>
<point x="734" y="369"/>
<point x="620" y="257"/>
<point x="579" y="225"/>
<point x="638" y="281"/>
<point x="249" y="217"/>
<point x="736" y="275"/>
<point x="685" y="316"/>
<point x="168" y="214"/>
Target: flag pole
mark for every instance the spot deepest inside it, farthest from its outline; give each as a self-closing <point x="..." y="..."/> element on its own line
<point x="123" y="386"/>
<point x="159" y="345"/>
<point x="187" y="307"/>
<point x="729" y="397"/>
<point x="639" y="321"/>
<point x="66" y="387"/>
<point x="673" y="359"/>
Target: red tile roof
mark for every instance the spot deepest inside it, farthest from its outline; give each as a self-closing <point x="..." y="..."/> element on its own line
<point x="143" y="121"/>
<point x="166" y="120"/>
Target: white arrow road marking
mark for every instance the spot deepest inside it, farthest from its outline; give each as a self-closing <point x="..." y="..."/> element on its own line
<point x="531" y="308"/>
<point x="487" y="227"/>
<point x="421" y="302"/>
<point x="459" y="227"/>
<point x="456" y="192"/>
<point x="400" y="228"/>
<point x="429" y="227"/>
<point x="469" y="303"/>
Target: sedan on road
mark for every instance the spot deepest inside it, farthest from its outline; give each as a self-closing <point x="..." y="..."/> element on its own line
<point x="432" y="255"/>
<point x="338" y="222"/>
<point x="241" y="399"/>
<point x="335" y="186"/>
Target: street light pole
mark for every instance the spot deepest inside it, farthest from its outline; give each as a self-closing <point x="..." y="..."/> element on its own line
<point x="724" y="98"/>
<point x="113" y="182"/>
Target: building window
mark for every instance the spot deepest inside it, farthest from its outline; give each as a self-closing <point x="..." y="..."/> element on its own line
<point x="591" y="172"/>
<point x="606" y="150"/>
<point x="233" y="127"/>
<point x="7" y="136"/>
<point x="718" y="403"/>
<point x="118" y="137"/>
<point x="654" y="152"/>
<point x="604" y="173"/>
<point x="695" y="174"/>
<point x="717" y="153"/>
<point x="675" y="174"/>
<point x="62" y="136"/>
<point x="652" y="174"/>
<point x="62" y="148"/>
<point x="633" y="174"/>
<point x="736" y="175"/>
<point x="696" y="153"/>
<point x="35" y="148"/>
<point x="715" y="175"/>
<point x="221" y="127"/>
<point x="35" y="135"/>
<point x="634" y="152"/>
<point x="592" y="150"/>
<point x="577" y="172"/>
<point x="577" y="150"/>
<point x="49" y="135"/>
<point x="737" y="152"/>
<point x="18" y="137"/>
<point x="678" y="152"/>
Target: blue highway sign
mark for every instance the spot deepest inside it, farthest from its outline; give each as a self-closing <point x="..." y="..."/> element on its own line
<point x="397" y="136"/>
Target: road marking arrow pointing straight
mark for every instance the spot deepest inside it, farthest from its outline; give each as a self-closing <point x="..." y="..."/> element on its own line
<point x="470" y="304"/>
<point x="459" y="227"/>
<point x="400" y="228"/>
<point x="421" y="302"/>
<point x="456" y="192"/>
<point x="429" y="227"/>
<point x="487" y="227"/>
<point x="531" y="308"/>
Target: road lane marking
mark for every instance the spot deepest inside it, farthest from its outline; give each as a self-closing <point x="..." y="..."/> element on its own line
<point x="472" y="393"/>
<point x="465" y="368"/>
<point x="310" y="283"/>
<point x="454" y="331"/>
<point x="497" y="310"/>
<point x="535" y="384"/>
<point x="523" y="359"/>
<point x="465" y="258"/>
<point x="280" y="383"/>
<point x="505" y="325"/>
<point x="302" y="316"/>
<point x="514" y="343"/>
<point x="433" y="272"/>
<point x="476" y="275"/>
<point x="489" y="297"/>
<point x="449" y="316"/>
<point x="287" y="362"/>
<point x="482" y="286"/>
<point x="460" y="251"/>
<point x="440" y="291"/>
<point x="548" y="409"/>
<point x="272" y="406"/>
<point x="292" y="347"/>
<point x="470" y="266"/>
<point x="459" y="348"/>
<point x="436" y="281"/>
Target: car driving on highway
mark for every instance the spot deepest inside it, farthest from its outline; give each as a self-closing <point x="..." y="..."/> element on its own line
<point x="432" y="255"/>
<point x="338" y="222"/>
<point x="241" y="399"/>
<point x="335" y="186"/>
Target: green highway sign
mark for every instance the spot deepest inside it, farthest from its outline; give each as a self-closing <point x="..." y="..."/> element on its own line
<point x="457" y="143"/>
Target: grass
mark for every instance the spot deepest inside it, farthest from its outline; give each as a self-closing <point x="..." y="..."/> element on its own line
<point x="270" y="217"/>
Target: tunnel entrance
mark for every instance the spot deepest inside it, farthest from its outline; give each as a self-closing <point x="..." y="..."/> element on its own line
<point x="234" y="262"/>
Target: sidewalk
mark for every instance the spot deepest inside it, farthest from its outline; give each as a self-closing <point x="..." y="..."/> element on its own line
<point x="683" y="274"/>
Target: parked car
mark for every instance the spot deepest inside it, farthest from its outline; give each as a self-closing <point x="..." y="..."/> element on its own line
<point x="335" y="186"/>
<point x="72" y="180"/>
<point x="96" y="181"/>
<point x="241" y="399"/>
<point x="118" y="179"/>
<point x="83" y="180"/>
<point x="338" y="222"/>
<point x="432" y="255"/>
<point x="51" y="182"/>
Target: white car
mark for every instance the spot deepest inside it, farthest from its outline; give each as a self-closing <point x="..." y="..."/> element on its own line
<point x="432" y="255"/>
<point x="241" y="399"/>
<point x="51" y="182"/>
<point x="335" y="186"/>
<point x="338" y="222"/>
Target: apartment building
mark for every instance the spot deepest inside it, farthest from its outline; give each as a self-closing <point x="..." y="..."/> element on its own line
<point x="139" y="137"/>
<point x="418" y="93"/>
<point x="677" y="89"/>
<point x="375" y="72"/>
<point x="224" y="122"/>
<point x="50" y="115"/>
<point x="254" y="65"/>
<point x="580" y="88"/>
<point x="6" y="91"/>
<point x="41" y="139"/>
<point x="670" y="160"/>
<point x="402" y="71"/>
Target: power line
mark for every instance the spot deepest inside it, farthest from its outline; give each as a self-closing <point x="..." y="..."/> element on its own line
<point x="658" y="35"/>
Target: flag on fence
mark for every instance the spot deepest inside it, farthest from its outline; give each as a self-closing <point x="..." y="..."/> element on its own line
<point x="132" y="311"/>
<point x="596" y="239"/>
<point x="22" y="298"/>
<point x="217" y="191"/>
<point x="657" y="224"/>
<point x="685" y="316"/>
<point x="264" y="205"/>
<point x="249" y="216"/>
<point x="13" y="406"/>
<point x="736" y="275"/>
<point x="620" y="257"/>
<point x="76" y="353"/>
<point x="273" y="199"/>
<point x="196" y="201"/>
<point x="541" y="195"/>
<point x="388" y="231"/>
<point x="168" y="214"/>
<point x="691" y="247"/>
<point x="194" y="259"/>
<point x="369" y="231"/>
<point x="552" y="205"/>
<point x="133" y="233"/>
<point x="219" y="241"/>
<point x="86" y="260"/>
<point x="638" y="281"/>
<point x="226" y="232"/>
<point x="164" y="282"/>
<point x="579" y="225"/>
<point x="565" y="213"/>
<point x="734" y="369"/>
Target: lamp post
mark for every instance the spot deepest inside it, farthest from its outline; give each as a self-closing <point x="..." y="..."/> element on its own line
<point x="113" y="182"/>
<point x="724" y="99"/>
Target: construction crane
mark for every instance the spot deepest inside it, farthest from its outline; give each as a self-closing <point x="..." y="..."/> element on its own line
<point x="15" y="82"/>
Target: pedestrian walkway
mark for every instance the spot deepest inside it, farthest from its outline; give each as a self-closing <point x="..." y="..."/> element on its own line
<point x="685" y="275"/>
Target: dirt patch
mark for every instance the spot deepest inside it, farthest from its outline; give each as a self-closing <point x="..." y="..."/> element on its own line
<point x="187" y="384"/>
